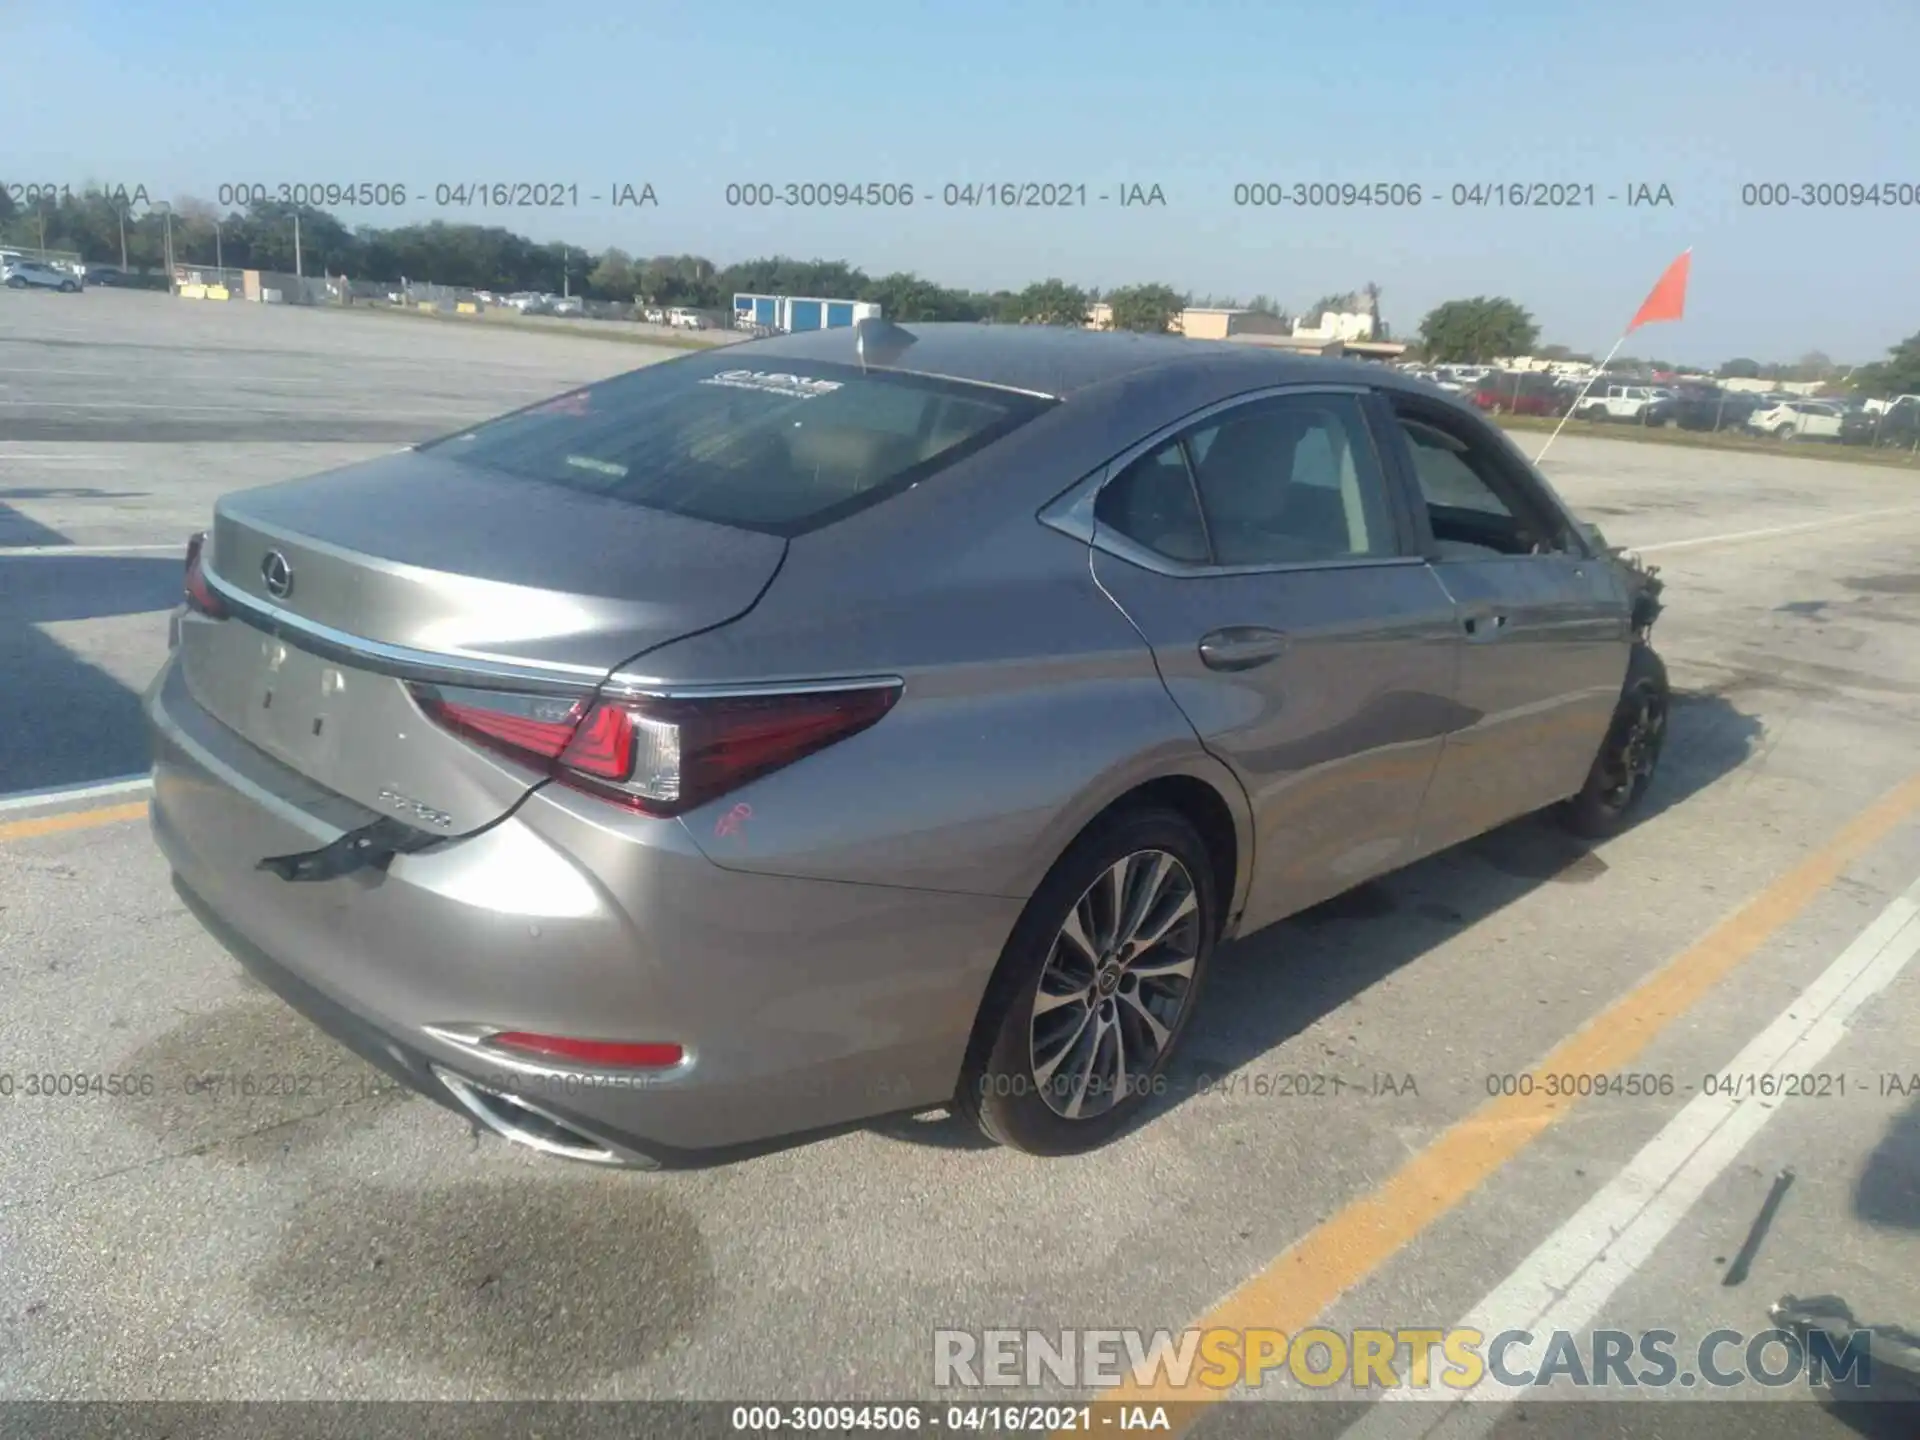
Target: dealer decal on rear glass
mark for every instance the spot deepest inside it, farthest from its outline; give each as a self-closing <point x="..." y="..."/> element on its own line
<point x="773" y="383"/>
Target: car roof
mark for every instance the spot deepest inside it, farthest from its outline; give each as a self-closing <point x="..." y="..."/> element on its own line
<point x="1059" y="360"/>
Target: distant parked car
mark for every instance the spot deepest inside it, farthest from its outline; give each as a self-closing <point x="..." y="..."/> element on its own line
<point x="1616" y="401"/>
<point x="104" y="275"/>
<point x="1897" y="423"/>
<point x="1800" y="420"/>
<point x="686" y="320"/>
<point x="1900" y="424"/>
<point x="35" y="274"/>
<point x="1519" y="393"/>
<point x="567" y="305"/>
<point x="1708" y="407"/>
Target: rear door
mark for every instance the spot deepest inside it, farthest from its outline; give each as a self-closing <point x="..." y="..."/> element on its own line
<point x="1258" y="550"/>
<point x="1542" y="624"/>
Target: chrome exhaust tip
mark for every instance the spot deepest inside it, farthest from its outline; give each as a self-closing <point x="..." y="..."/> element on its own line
<point x="512" y="1117"/>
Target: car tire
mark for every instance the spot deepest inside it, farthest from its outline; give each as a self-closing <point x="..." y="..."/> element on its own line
<point x="1034" y="1079"/>
<point x="1785" y="432"/>
<point x="67" y="287"/>
<point x="1629" y="755"/>
<point x="16" y="283"/>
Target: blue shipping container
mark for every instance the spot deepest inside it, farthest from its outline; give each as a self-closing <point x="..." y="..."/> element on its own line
<point x="839" y="312"/>
<point x="803" y="314"/>
<point x="766" y="310"/>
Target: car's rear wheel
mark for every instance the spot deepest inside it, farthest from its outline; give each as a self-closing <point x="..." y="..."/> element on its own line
<point x="16" y="283"/>
<point x="1785" y="432"/>
<point x="67" y="287"/>
<point x="1095" y="988"/>
<point x="1629" y="755"/>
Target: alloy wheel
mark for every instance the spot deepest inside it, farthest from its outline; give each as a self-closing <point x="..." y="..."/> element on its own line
<point x="1116" y="985"/>
<point x="1636" y="750"/>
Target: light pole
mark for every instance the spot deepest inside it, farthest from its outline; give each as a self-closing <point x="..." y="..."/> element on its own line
<point x="166" y="210"/>
<point x="122" y="212"/>
<point x="219" y="259"/>
<point x="298" y="273"/>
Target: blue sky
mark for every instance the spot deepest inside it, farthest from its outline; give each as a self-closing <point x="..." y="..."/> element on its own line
<point x="1193" y="96"/>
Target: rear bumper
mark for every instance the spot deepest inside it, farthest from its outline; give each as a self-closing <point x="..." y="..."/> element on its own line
<point x="803" y="1005"/>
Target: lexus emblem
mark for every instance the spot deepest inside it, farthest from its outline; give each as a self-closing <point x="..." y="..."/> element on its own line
<point x="278" y="574"/>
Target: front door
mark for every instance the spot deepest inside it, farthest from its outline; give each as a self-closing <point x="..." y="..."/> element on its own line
<point x="1259" y="554"/>
<point x="1543" y="626"/>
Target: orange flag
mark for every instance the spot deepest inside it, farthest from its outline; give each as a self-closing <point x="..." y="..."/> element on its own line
<point x="1668" y="300"/>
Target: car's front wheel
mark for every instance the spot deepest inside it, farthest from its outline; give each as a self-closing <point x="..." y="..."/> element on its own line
<point x="16" y="283"/>
<point x="67" y="287"/>
<point x="1624" y="768"/>
<point x="1095" y="988"/>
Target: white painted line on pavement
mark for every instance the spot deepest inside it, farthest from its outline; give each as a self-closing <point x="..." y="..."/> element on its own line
<point x="1564" y="1283"/>
<point x="8" y="552"/>
<point x="60" y="794"/>
<point x="1770" y="530"/>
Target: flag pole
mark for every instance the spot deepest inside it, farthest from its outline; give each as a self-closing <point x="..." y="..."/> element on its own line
<point x="1581" y="396"/>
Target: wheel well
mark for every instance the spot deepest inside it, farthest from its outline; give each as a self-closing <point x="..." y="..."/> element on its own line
<point x="1203" y="808"/>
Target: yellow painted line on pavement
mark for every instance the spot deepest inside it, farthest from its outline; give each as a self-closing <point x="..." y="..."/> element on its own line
<point x="71" y="820"/>
<point x="1349" y="1246"/>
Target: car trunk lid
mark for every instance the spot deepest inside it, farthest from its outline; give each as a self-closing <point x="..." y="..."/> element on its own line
<point x="347" y="587"/>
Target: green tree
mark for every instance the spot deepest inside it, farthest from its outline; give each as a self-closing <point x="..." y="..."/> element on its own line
<point x="903" y="296"/>
<point x="1267" y="305"/>
<point x="612" y="276"/>
<point x="1477" y="330"/>
<point x="1147" y="308"/>
<point x="1049" y="302"/>
<point x="1898" y="374"/>
<point x="1740" y="368"/>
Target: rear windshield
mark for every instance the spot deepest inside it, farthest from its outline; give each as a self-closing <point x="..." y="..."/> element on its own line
<point x="777" y="446"/>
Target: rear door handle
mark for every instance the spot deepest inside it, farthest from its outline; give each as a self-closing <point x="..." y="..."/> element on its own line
<point x="1241" y="647"/>
<point x="1484" y="625"/>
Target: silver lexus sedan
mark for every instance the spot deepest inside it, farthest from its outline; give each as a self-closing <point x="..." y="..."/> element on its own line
<point x="870" y="721"/>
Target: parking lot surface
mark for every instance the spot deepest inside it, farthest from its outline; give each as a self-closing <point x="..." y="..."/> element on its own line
<point x="309" y="1233"/>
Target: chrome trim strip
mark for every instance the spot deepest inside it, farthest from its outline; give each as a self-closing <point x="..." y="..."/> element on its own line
<point x="453" y="668"/>
<point x="963" y="380"/>
<point x="466" y="1091"/>
<point x="623" y="685"/>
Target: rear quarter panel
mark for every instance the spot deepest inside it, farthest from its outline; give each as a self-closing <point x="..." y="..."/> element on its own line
<point x="1030" y="701"/>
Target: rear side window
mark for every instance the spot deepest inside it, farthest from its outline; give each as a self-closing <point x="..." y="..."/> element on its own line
<point x="1286" y="481"/>
<point x="1292" y="480"/>
<point x="780" y="447"/>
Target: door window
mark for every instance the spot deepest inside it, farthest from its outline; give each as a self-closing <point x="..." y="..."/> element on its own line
<point x="1476" y="507"/>
<point x="1292" y="480"/>
<point x="1152" y="503"/>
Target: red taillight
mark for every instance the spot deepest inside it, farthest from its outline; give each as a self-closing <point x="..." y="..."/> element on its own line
<point x="609" y="1054"/>
<point x="525" y="727"/>
<point x="659" y="756"/>
<point x="200" y="596"/>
